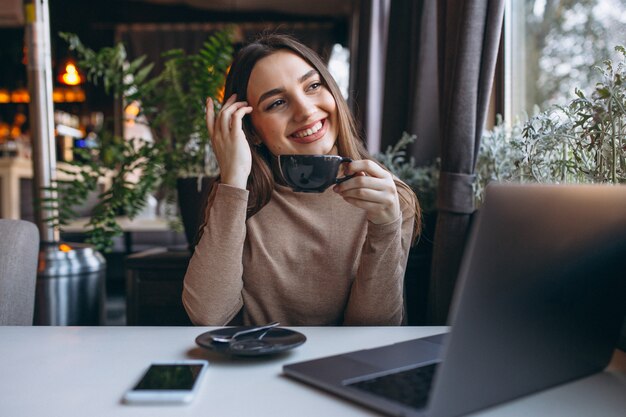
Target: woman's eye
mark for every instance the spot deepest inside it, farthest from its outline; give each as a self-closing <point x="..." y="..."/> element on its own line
<point x="315" y="85"/>
<point x="275" y="104"/>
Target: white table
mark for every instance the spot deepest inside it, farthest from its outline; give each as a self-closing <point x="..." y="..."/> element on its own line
<point x="83" y="371"/>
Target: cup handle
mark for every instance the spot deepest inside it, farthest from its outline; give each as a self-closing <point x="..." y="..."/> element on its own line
<point x="346" y="177"/>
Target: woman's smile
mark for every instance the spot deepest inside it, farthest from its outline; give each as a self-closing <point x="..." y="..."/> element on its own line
<point x="310" y="133"/>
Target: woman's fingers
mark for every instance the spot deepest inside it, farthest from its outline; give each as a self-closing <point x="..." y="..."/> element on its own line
<point x="237" y="117"/>
<point x="371" y="195"/>
<point x="368" y="174"/>
<point x="225" y="117"/>
<point x="210" y="116"/>
<point x="368" y="167"/>
<point x="210" y="112"/>
<point x="362" y="180"/>
<point x="373" y="191"/>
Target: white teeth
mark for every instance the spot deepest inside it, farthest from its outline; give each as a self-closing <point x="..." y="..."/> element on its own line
<point x="316" y="127"/>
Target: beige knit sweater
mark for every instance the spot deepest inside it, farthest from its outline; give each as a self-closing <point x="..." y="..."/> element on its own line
<point x="304" y="259"/>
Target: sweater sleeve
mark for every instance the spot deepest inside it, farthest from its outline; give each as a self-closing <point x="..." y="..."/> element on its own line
<point x="213" y="281"/>
<point x="377" y="293"/>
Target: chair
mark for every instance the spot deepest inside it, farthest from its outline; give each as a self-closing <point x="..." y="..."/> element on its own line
<point x="19" y="249"/>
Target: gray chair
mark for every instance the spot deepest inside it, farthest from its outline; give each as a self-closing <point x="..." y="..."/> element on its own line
<point x="19" y="249"/>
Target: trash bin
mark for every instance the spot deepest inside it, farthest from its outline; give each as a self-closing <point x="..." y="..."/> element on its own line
<point x="70" y="285"/>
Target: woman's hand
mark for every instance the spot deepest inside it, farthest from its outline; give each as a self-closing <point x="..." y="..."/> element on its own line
<point x="371" y="189"/>
<point x="229" y="142"/>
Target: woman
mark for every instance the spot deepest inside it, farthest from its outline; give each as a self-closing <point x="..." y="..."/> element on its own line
<point x="267" y="253"/>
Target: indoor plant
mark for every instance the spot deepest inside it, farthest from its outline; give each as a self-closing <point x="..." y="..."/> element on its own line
<point x="171" y="104"/>
<point x="423" y="179"/>
<point x="583" y="141"/>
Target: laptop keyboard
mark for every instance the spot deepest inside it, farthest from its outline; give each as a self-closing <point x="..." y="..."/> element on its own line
<point x="409" y="387"/>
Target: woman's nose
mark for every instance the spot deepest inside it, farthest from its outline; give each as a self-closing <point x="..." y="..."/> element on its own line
<point x="304" y="108"/>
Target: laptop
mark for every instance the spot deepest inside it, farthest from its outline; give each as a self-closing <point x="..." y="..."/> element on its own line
<point x="539" y="301"/>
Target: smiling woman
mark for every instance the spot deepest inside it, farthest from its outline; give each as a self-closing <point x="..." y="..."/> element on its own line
<point x="294" y="114"/>
<point x="268" y="253"/>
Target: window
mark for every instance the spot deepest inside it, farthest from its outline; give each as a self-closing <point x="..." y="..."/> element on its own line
<point x="339" y="67"/>
<point x="551" y="47"/>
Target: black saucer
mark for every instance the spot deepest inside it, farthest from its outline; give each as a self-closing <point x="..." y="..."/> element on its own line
<point x="274" y="341"/>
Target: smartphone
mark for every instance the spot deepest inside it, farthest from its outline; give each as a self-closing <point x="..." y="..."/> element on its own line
<point x="168" y="383"/>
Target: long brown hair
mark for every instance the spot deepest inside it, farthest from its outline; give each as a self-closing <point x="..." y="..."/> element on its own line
<point x="261" y="181"/>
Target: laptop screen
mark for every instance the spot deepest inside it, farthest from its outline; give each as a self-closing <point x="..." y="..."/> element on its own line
<point x="540" y="295"/>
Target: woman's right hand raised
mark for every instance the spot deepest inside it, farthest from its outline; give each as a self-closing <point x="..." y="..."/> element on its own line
<point x="229" y="142"/>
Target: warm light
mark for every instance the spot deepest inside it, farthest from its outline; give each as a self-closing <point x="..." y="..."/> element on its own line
<point x="79" y="95"/>
<point x="16" y="132"/>
<point x="19" y="119"/>
<point x="132" y="110"/>
<point x="4" y="130"/>
<point x="58" y="96"/>
<point x="70" y="96"/>
<point x="70" y="76"/>
<point x="65" y="248"/>
<point x="220" y="93"/>
<point x="5" y="96"/>
<point x="20" y="96"/>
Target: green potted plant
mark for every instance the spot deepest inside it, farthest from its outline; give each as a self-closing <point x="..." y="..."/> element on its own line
<point x="171" y="104"/>
<point x="581" y="142"/>
<point x="423" y="179"/>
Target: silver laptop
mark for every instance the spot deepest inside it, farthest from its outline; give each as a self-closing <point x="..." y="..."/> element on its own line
<point x="540" y="299"/>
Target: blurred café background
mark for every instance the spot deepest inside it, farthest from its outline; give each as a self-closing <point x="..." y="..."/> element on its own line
<point x="80" y="108"/>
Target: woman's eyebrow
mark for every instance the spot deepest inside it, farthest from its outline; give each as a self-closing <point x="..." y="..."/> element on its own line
<point x="270" y="93"/>
<point x="307" y="75"/>
<point x="280" y="90"/>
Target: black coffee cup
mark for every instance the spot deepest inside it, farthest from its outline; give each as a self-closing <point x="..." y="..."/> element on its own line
<point x="311" y="173"/>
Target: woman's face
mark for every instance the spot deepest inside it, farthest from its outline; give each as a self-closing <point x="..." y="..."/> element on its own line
<point x="293" y="111"/>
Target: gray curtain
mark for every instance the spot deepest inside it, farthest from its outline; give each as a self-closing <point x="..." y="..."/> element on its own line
<point x="469" y="35"/>
<point x="411" y="102"/>
<point x="370" y="21"/>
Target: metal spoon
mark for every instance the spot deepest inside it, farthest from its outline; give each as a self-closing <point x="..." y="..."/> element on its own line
<point x="230" y="338"/>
